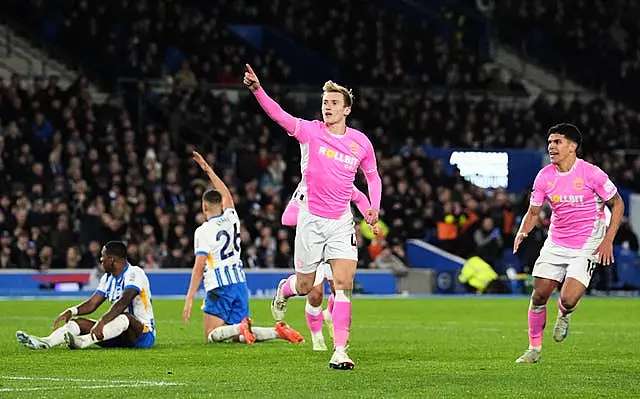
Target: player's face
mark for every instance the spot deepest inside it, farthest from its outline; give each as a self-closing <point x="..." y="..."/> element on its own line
<point x="333" y="108"/>
<point x="106" y="262"/>
<point x="559" y="148"/>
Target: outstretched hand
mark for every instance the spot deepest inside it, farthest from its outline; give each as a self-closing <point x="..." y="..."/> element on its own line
<point x="201" y="161"/>
<point x="250" y="78"/>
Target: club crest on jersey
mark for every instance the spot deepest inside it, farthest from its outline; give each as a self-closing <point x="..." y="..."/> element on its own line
<point x="354" y="148"/>
<point x="578" y="184"/>
<point x="349" y="162"/>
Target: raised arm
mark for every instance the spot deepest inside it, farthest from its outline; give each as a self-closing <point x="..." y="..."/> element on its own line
<point x="218" y="184"/>
<point x="272" y="108"/>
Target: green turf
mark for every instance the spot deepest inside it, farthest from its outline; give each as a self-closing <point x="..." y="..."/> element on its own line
<point x="422" y="348"/>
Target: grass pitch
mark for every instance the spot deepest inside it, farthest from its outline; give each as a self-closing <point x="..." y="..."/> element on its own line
<point x="403" y="348"/>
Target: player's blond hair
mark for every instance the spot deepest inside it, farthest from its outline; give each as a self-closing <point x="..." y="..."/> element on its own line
<point x="332" y="87"/>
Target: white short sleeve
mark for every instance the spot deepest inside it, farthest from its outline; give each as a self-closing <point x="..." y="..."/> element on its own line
<point x="134" y="280"/>
<point x="200" y="246"/>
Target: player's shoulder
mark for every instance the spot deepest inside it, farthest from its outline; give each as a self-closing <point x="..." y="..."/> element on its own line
<point x="135" y="270"/>
<point x="358" y="135"/>
<point x="546" y="171"/>
<point x="588" y="167"/>
<point x="313" y="125"/>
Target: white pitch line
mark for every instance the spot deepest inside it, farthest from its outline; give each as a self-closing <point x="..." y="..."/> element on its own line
<point x="137" y="383"/>
<point x="74" y="387"/>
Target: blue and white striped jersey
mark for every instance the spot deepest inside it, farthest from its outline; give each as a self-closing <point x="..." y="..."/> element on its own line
<point x="111" y="287"/>
<point x="219" y="240"/>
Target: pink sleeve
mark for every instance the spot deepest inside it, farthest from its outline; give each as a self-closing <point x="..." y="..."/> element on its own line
<point x="370" y="169"/>
<point x="601" y="184"/>
<point x="538" y="191"/>
<point x="361" y="200"/>
<point x="288" y="122"/>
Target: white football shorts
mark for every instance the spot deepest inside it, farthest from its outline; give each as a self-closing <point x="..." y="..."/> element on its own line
<point x="558" y="263"/>
<point x="320" y="239"/>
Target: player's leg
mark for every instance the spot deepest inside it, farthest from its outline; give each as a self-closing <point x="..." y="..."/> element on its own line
<point x="124" y="331"/>
<point x="77" y="326"/>
<point x="313" y="310"/>
<point x="308" y="255"/>
<point x="326" y="314"/>
<point x="290" y="214"/>
<point x="579" y="272"/>
<point x="342" y="253"/>
<point x="546" y="279"/>
<point x="226" y="312"/>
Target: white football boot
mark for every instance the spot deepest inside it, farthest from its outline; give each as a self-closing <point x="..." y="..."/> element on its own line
<point x="30" y="341"/>
<point x="530" y="356"/>
<point x="279" y="303"/>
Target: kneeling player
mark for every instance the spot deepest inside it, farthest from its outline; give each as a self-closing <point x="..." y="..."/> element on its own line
<point x="217" y="248"/>
<point x="128" y="323"/>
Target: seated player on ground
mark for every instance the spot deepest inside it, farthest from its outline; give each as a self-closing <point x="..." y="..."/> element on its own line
<point x="217" y="248"/>
<point x="128" y="323"/>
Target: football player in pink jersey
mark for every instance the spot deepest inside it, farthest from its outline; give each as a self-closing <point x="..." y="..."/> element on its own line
<point x="313" y="308"/>
<point x="578" y="237"/>
<point x="325" y="229"/>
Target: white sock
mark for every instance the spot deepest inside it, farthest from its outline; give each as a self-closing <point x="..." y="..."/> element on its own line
<point x="264" y="333"/>
<point x="292" y="284"/>
<point x="110" y="330"/>
<point x="223" y="333"/>
<point x="57" y="337"/>
<point x="312" y="310"/>
<point x="317" y="335"/>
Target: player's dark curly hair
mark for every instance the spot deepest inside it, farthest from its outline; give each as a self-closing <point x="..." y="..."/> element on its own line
<point x="569" y="131"/>
<point x="117" y="249"/>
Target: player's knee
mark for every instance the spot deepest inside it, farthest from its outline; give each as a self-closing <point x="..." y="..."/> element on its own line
<point x="569" y="301"/>
<point x="303" y="287"/>
<point x="539" y="298"/>
<point x="315" y="296"/>
<point x="340" y="283"/>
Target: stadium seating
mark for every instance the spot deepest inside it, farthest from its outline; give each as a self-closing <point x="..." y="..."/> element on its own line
<point x="598" y="40"/>
<point x="155" y="204"/>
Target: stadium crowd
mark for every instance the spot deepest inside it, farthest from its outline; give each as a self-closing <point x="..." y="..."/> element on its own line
<point x="196" y="41"/>
<point x="600" y="41"/>
<point x="79" y="173"/>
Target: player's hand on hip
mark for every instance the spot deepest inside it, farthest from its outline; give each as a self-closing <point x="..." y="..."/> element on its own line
<point x="96" y="331"/>
<point x="64" y="316"/>
<point x="605" y="252"/>
<point x="186" y="313"/>
<point x="371" y="216"/>
<point x="250" y="78"/>
<point x="518" y="241"/>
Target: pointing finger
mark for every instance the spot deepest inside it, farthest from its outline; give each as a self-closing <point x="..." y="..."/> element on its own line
<point x="249" y="69"/>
